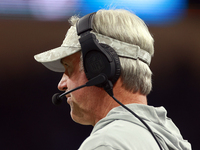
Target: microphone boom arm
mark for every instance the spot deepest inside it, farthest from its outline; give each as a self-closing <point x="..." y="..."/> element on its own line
<point x="100" y="79"/>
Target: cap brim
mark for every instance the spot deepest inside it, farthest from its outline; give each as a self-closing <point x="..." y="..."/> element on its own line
<point x="52" y="58"/>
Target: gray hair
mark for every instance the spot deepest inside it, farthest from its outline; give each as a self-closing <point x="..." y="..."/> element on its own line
<point x="127" y="27"/>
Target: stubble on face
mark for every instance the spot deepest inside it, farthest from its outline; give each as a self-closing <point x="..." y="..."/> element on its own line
<point x="84" y="103"/>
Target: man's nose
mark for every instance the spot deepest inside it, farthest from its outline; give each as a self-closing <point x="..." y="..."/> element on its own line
<point x="62" y="85"/>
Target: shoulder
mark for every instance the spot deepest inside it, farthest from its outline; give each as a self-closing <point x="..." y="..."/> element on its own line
<point x="117" y="135"/>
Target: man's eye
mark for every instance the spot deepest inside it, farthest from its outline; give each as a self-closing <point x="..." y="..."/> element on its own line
<point x="66" y="65"/>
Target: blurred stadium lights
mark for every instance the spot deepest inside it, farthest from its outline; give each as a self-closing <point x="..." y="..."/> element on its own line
<point x="151" y="11"/>
<point x="52" y="9"/>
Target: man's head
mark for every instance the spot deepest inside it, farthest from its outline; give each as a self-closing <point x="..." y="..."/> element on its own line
<point x="117" y="24"/>
<point x="127" y="35"/>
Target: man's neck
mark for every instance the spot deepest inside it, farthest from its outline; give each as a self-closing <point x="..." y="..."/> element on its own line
<point x="127" y="97"/>
<point x="124" y="96"/>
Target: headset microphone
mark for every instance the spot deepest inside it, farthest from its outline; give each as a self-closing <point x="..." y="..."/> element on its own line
<point x="100" y="79"/>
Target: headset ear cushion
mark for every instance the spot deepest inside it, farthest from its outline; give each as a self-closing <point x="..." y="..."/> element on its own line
<point x="114" y="56"/>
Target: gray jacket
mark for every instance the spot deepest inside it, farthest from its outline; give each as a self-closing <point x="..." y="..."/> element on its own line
<point x="120" y="130"/>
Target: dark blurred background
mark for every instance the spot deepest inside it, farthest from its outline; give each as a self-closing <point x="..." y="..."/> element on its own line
<point x="28" y="118"/>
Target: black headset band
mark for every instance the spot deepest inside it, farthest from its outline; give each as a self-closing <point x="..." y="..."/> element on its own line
<point x="98" y="58"/>
<point x="85" y="23"/>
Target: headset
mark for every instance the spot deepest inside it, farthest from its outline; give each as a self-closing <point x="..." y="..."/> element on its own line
<point x="98" y="58"/>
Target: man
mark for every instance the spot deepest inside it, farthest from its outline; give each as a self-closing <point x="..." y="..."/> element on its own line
<point x="128" y="48"/>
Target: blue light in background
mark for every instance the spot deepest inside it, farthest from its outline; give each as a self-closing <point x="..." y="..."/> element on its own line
<point x="151" y="11"/>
